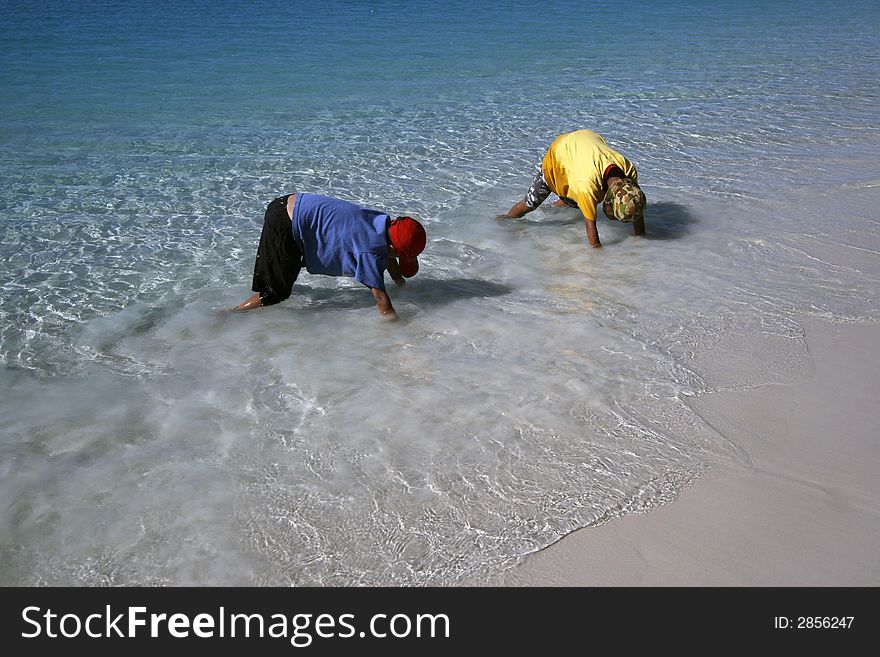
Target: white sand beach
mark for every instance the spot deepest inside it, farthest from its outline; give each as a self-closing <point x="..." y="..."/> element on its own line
<point x="806" y="512"/>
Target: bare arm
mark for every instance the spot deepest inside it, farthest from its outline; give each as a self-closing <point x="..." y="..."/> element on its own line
<point x="592" y="234"/>
<point x="383" y="303"/>
<point x="250" y="303"/>
<point x="394" y="270"/>
<point x="639" y="227"/>
<point x="516" y="211"/>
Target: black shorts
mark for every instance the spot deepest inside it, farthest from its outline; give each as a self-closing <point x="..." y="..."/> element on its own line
<point x="279" y="259"/>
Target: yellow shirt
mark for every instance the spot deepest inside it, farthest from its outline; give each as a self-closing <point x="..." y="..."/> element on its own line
<point x="575" y="164"/>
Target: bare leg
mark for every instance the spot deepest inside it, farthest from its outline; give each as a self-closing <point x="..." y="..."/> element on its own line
<point x="559" y="203"/>
<point x="251" y="302"/>
<point x="639" y="227"/>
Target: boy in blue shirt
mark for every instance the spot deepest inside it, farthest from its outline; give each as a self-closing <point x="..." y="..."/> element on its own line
<point x="336" y="238"/>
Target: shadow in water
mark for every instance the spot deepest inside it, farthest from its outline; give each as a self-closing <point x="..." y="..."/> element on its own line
<point x="550" y="215"/>
<point x="668" y="221"/>
<point x="663" y="220"/>
<point x="421" y="290"/>
<point x="437" y="292"/>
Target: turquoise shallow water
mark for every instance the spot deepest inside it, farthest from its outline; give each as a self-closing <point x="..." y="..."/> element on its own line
<point x="532" y="387"/>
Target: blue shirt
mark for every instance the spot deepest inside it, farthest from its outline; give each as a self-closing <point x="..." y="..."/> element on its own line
<point x="338" y="238"/>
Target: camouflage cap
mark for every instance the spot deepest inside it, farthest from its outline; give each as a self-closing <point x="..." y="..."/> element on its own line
<point x="624" y="201"/>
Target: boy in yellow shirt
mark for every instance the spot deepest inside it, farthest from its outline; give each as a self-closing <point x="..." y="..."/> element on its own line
<point x="583" y="170"/>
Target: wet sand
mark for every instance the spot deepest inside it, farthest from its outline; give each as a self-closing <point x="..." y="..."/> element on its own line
<point x="804" y="510"/>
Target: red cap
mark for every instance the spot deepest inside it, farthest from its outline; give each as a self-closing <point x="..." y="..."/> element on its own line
<point x="408" y="239"/>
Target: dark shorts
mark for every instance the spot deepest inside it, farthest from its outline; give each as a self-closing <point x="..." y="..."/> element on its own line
<point x="279" y="260"/>
<point x="540" y="190"/>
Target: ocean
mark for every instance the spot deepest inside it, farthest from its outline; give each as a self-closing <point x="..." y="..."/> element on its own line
<point x="532" y="386"/>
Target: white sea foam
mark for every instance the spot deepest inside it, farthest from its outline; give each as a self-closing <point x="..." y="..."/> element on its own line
<point x="532" y="386"/>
